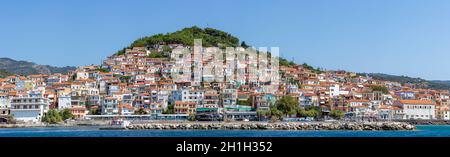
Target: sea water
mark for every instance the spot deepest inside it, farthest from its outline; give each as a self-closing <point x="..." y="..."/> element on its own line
<point x="421" y="131"/>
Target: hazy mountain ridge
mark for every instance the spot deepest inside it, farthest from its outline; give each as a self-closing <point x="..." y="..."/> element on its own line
<point x="419" y="82"/>
<point x="28" y="68"/>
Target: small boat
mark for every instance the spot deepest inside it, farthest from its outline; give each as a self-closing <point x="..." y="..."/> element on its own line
<point x="118" y="124"/>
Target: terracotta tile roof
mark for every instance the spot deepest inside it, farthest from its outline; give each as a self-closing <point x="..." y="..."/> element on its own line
<point x="356" y="100"/>
<point x="417" y="102"/>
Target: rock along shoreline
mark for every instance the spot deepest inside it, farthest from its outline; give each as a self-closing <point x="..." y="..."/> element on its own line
<point x="372" y="126"/>
<point x="157" y="125"/>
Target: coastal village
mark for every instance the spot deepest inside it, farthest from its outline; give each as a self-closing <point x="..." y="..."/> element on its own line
<point x="139" y="85"/>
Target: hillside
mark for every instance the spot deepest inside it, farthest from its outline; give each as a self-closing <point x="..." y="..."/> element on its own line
<point x="214" y="37"/>
<point x="210" y="37"/>
<point x="419" y="82"/>
<point x="4" y="73"/>
<point x="27" y="68"/>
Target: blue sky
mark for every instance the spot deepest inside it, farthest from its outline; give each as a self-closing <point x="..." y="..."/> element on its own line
<point x="402" y="37"/>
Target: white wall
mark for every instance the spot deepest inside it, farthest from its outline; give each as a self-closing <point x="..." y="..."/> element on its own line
<point x="27" y="115"/>
<point x="426" y="112"/>
<point x="64" y="102"/>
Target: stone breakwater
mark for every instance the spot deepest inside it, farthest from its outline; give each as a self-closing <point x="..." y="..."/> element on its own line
<point x="427" y="122"/>
<point x="275" y="126"/>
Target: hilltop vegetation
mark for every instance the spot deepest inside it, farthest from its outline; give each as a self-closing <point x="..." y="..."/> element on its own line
<point x="210" y="37"/>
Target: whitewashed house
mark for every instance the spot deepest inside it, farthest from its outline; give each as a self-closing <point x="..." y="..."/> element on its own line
<point x="30" y="108"/>
<point x="64" y="101"/>
<point x="417" y="109"/>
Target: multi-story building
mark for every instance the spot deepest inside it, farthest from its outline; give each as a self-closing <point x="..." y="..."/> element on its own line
<point x="64" y="101"/>
<point x="30" y="108"/>
<point x="110" y="106"/>
<point x="192" y="95"/>
<point x="5" y="104"/>
<point x="417" y="109"/>
<point x="185" y="107"/>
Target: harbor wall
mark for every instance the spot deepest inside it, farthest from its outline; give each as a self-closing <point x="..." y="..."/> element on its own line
<point x="274" y="126"/>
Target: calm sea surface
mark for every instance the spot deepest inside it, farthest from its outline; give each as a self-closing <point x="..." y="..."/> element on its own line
<point x="422" y="131"/>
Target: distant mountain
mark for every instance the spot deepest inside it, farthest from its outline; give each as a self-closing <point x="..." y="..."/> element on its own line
<point x="419" y="82"/>
<point x="27" y="68"/>
<point x="443" y="83"/>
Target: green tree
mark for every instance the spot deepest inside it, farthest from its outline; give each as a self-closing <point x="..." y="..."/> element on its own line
<point x="260" y="112"/>
<point x="382" y="89"/>
<point x="243" y="102"/>
<point x="66" y="114"/>
<point x="210" y="37"/>
<point x="244" y="45"/>
<point x="284" y="62"/>
<point x="166" y="48"/>
<point x="4" y="73"/>
<point x="337" y="114"/>
<point x="94" y="111"/>
<point x="74" y="77"/>
<point x="312" y="113"/>
<point x="309" y="112"/>
<point x="102" y="70"/>
<point x="287" y="104"/>
<point x="170" y="109"/>
<point x="52" y="117"/>
<point x="140" y="111"/>
<point x="191" y="117"/>
<point x="121" y="52"/>
<point x="275" y="114"/>
<point x="156" y="55"/>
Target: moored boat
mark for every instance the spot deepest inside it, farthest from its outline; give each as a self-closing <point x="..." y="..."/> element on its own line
<point x="117" y="124"/>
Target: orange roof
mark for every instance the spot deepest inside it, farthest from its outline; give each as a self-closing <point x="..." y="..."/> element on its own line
<point x="384" y="107"/>
<point x="445" y="108"/>
<point x="127" y="106"/>
<point x="417" y="102"/>
<point x="110" y="98"/>
<point x="310" y="94"/>
<point x="355" y="100"/>
<point x="184" y="102"/>
<point x="78" y="108"/>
